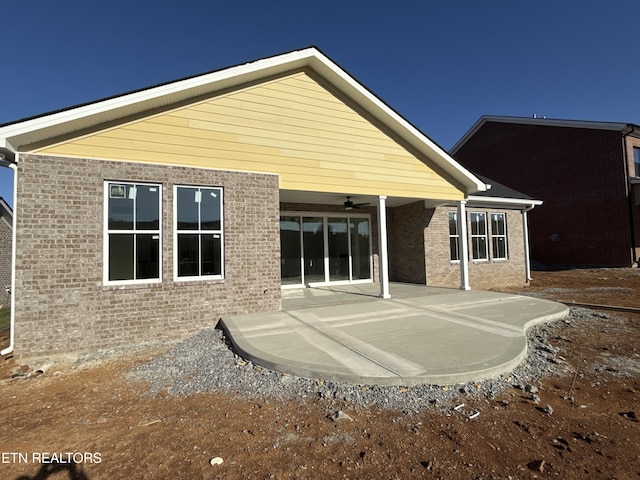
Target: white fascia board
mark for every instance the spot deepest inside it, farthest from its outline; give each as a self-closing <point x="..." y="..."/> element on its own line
<point x="518" y="202"/>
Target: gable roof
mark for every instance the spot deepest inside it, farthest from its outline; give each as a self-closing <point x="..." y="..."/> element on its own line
<point x="549" y="122"/>
<point x="21" y="134"/>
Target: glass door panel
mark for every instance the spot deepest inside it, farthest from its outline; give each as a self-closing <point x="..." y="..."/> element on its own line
<point x="360" y="248"/>
<point x="290" y="252"/>
<point x="338" y="241"/>
<point x="313" y="241"/>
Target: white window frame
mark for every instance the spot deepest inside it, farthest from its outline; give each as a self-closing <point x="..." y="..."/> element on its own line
<point x="107" y="232"/>
<point x="456" y="236"/>
<point x="325" y="217"/>
<point x="199" y="232"/>
<point x="474" y="236"/>
<point x="495" y="235"/>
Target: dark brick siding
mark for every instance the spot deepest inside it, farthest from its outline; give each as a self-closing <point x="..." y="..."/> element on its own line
<point x="579" y="174"/>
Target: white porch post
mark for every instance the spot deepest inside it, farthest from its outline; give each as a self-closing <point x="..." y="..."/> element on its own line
<point x="464" y="246"/>
<point x="383" y="256"/>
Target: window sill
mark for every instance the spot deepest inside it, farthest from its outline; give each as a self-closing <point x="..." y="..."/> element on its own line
<point x="179" y="282"/>
<point x="131" y="286"/>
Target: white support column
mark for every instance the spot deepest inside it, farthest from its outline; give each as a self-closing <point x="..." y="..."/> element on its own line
<point x="527" y="259"/>
<point x="464" y="246"/>
<point x="383" y="257"/>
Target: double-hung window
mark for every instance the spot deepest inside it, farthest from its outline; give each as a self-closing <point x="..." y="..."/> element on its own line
<point x="132" y="232"/>
<point x="636" y="161"/>
<point x="499" y="236"/>
<point x="454" y="237"/>
<point x="479" y="235"/>
<point x="199" y="241"/>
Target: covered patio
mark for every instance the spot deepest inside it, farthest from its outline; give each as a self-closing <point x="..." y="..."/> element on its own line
<point x="421" y="335"/>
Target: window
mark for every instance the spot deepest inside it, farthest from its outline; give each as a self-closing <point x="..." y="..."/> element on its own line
<point x="499" y="236"/>
<point x="479" y="236"/>
<point x="636" y="161"/>
<point x="198" y="233"/>
<point x="132" y="239"/>
<point x="454" y="237"/>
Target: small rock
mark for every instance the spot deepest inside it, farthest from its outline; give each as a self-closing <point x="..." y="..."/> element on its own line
<point x="531" y="389"/>
<point x="535" y="398"/>
<point x="536" y="465"/>
<point x="340" y="415"/>
<point x="630" y="415"/>
<point x="216" y="461"/>
<point x="548" y="410"/>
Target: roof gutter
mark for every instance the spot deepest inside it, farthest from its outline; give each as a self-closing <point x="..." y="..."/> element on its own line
<point x="13" y="166"/>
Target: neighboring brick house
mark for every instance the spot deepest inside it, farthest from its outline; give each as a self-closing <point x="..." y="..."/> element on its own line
<point x="588" y="174"/>
<point x="150" y="215"/>
<point x="6" y="242"/>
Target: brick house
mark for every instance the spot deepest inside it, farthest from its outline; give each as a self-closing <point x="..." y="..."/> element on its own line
<point x="150" y="215"/>
<point x="6" y="242"/>
<point x="588" y="174"/>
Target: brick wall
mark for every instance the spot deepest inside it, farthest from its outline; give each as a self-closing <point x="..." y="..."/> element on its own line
<point x="482" y="274"/>
<point x="406" y="239"/>
<point x="61" y="304"/>
<point x="6" y="240"/>
<point x="578" y="173"/>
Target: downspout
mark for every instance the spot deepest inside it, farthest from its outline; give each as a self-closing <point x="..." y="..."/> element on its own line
<point x="634" y="259"/>
<point x="525" y="228"/>
<point x="9" y="349"/>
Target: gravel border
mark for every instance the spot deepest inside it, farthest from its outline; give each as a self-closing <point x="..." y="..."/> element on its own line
<point x="206" y="363"/>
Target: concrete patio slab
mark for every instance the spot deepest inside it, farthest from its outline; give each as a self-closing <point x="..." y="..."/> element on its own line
<point x="422" y="335"/>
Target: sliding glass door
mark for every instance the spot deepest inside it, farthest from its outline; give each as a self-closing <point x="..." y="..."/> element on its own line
<point x="317" y="249"/>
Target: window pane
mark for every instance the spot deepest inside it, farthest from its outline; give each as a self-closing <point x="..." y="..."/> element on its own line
<point x="478" y="226"/>
<point x="338" y="244"/>
<point x="188" y="255"/>
<point x="290" y="254"/>
<point x="147" y="207"/>
<point x="121" y="257"/>
<point x="210" y="209"/>
<point x="148" y="259"/>
<point x="453" y="223"/>
<point x="499" y="247"/>
<point x="120" y="207"/>
<point x="479" y="246"/>
<point x="497" y="224"/>
<point x="313" y="241"/>
<point x="453" y="248"/>
<point x="211" y="254"/>
<point x="360" y="254"/>
<point x="187" y="208"/>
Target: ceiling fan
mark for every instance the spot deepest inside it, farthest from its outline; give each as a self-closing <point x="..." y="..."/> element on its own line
<point x="348" y="205"/>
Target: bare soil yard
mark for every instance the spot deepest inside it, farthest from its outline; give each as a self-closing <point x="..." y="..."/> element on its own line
<point x="100" y="424"/>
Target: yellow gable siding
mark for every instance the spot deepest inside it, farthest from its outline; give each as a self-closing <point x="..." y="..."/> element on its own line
<point x="291" y="126"/>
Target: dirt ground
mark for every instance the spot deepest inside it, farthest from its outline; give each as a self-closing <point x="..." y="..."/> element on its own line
<point x="101" y="426"/>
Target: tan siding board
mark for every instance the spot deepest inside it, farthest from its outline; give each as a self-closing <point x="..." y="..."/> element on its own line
<point x="292" y="127"/>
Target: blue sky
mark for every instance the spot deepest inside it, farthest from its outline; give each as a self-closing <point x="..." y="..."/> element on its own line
<point x="439" y="64"/>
